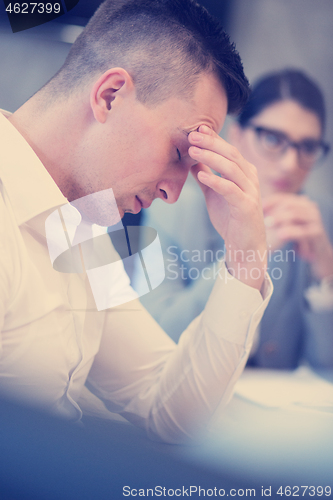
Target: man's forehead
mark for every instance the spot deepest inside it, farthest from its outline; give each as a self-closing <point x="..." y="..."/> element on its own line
<point x="212" y="101"/>
<point x="207" y="106"/>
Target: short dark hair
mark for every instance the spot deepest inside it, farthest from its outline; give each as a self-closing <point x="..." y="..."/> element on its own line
<point x="281" y="85"/>
<point x="163" y="44"/>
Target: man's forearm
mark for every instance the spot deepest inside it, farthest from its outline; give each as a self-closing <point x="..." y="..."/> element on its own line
<point x="173" y="391"/>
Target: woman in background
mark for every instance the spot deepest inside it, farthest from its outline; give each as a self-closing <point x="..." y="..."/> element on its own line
<point x="281" y="132"/>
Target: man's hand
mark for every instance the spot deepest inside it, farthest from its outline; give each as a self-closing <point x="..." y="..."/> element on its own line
<point x="233" y="202"/>
<point x="291" y="217"/>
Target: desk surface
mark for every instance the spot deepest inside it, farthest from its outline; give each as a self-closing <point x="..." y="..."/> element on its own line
<point x="288" y="440"/>
<point x="277" y="429"/>
<point x="248" y="446"/>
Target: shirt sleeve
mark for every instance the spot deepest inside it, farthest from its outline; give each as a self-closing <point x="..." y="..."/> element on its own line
<point x="172" y="390"/>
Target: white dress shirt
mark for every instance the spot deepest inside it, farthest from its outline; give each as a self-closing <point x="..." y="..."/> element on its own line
<point x="53" y="338"/>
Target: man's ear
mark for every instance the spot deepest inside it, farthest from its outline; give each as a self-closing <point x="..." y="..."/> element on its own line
<point x="234" y="134"/>
<point x="114" y="82"/>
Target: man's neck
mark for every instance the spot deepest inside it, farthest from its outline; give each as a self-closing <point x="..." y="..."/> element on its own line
<point x="52" y="133"/>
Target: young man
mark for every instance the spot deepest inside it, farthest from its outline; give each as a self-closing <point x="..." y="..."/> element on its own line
<point x="136" y="106"/>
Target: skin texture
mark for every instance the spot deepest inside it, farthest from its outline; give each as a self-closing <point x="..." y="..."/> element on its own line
<point x="105" y="138"/>
<point x="289" y="216"/>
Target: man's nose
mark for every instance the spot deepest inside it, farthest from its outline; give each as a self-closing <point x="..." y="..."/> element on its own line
<point x="169" y="190"/>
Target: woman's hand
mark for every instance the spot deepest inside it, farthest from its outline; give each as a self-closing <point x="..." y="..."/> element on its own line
<point x="292" y="217"/>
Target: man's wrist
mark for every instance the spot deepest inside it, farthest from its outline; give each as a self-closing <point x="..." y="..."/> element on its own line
<point x="247" y="273"/>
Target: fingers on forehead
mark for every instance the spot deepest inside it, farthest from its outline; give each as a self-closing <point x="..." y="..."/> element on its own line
<point x="211" y="142"/>
<point x="204" y="129"/>
<point x="217" y="144"/>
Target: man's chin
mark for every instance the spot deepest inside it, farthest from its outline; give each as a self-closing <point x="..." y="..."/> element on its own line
<point x="100" y="208"/>
<point x="102" y="219"/>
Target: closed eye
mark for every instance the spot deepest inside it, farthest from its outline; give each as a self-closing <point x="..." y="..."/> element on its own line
<point x="179" y="155"/>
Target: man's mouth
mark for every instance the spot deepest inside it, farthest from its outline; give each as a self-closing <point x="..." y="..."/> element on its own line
<point x="143" y="203"/>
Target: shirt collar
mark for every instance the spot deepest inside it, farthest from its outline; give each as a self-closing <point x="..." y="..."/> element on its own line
<point x="29" y="186"/>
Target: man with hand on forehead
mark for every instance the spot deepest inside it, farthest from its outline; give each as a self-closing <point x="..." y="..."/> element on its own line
<point x="281" y="131"/>
<point x="137" y="104"/>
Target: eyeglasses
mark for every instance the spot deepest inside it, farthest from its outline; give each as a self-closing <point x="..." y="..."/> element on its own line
<point x="275" y="144"/>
